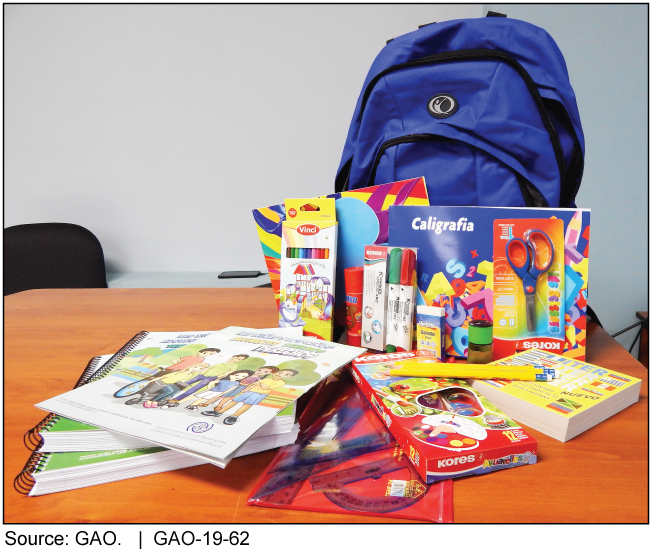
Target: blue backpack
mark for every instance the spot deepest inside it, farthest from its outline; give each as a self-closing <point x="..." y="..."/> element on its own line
<point x="482" y="108"/>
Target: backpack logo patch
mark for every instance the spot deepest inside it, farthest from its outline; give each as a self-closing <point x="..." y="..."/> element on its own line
<point x="442" y="106"/>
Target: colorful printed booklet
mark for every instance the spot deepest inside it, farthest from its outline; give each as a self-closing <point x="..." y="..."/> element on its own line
<point x="456" y="271"/>
<point x="447" y="429"/>
<point x="581" y="397"/>
<point x="58" y="434"/>
<point x="202" y="393"/>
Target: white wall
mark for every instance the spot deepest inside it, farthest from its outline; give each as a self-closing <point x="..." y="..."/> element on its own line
<point x="160" y="127"/>
<point x="606" y="52"/>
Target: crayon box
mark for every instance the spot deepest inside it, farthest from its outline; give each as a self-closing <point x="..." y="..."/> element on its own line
<point x="389" y="280"/>
<point x="308" y="267"/>
<point x="445" y="427"/>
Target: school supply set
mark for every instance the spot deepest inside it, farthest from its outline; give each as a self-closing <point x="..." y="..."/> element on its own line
<point x="345" y="461"/>
<point x="308" y="267"/>
<point x="445" y="427"/>
<point x="389" y="275"/>
<point x="463" y="267"/>
<point x="580" y="397"/>
<point x="201" y="393"/>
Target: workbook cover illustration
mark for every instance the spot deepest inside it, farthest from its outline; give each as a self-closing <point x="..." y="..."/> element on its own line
<point x="204" y="393"/>
<point x="455" y="265"/>
<point x="362" y="217"/>
<point x="447" y="429"/>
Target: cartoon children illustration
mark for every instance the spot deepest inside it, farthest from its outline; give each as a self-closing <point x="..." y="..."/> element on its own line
<point x="184" y="362"/>
<point x="179" y="364"/>
<point x="230" y="384"/>
<point x="253" y="394"/>
<point x="208" y="375"/>
<point x="227" y="397"/>
<point x="207" y="397"/>
<point x="171" y="383"/>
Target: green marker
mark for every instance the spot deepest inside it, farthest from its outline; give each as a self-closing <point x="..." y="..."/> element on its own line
<point x="392" y="315"/>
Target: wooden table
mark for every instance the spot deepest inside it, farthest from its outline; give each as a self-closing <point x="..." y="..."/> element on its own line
<point x="600" y="476"/>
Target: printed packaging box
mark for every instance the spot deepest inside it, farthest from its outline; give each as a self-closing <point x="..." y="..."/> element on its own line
<point x="455" y="265"/>
<point x="528" y="305"/>
<point x="308" y="267"/>
<point x="445" y="427"/>
<point x="389" y="280"/>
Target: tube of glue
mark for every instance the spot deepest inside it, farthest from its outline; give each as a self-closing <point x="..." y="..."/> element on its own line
<point x="354" y="303"/>
<point x="405" y="336"/>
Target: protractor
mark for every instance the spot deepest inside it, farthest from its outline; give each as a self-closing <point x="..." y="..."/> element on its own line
<point x="372" y="497"/>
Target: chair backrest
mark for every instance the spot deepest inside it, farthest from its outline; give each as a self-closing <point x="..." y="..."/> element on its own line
<point x="52" y="255"/>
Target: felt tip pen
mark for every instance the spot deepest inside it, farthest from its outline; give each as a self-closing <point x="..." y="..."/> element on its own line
<point x="392" y="316"/>
<point x="405" y="324"/>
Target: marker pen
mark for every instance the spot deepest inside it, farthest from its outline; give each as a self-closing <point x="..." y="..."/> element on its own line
<point x="405" y="328"/>
<point x="392" y="315"/>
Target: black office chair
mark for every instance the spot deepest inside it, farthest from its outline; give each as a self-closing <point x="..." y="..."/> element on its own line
<point x="52" y="255"/>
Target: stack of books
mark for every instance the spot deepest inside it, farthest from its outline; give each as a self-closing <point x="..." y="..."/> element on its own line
<point x="173" y="400"/>
<point x="581" y="396"/>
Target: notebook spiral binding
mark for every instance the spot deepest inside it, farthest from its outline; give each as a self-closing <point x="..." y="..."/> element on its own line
<point x="32" y="439"/>
<point x="24" y="481"/>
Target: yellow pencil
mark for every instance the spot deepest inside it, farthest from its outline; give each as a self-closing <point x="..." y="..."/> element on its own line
<point x="473" y="371"/>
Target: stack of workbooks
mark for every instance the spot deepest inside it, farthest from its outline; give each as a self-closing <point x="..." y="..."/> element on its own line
<point x="207" y="396"/>
<point x="58" y="434"/>
<point x="581" y="396"/>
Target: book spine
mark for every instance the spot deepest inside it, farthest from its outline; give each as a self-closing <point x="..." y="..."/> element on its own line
<point x="117" y="357"/>
<point x="24" y="481"/>
<point x="90" y="368"/>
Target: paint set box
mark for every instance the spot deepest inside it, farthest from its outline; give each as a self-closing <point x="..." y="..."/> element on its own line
<point x="389" y="277"/>
<point x="445" y="427"/>
<point x="308" y="266"/>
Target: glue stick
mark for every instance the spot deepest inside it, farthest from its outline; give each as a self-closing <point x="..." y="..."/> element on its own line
<point x="353" y="302"/>
<point x="430" y="333"/>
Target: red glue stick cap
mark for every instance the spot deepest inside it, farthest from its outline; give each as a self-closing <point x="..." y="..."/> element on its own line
<point x="353" y="279"/>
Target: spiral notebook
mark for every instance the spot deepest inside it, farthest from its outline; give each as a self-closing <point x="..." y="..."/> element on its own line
<point x="249" y="375"/>
<point x="71" y="455"/>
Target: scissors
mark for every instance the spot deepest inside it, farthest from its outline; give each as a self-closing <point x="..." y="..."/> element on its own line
<point x="530" y="258"/>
